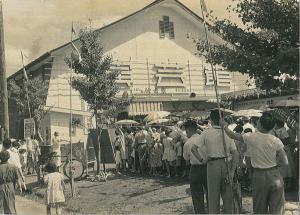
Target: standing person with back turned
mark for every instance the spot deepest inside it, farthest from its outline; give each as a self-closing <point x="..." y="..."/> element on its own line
<point x="197" y="177"/>
<point x="56" y="142"/>
<point x="264" y="148"/>
<point x="9" y="176"/>
<point x="217" y="175"/>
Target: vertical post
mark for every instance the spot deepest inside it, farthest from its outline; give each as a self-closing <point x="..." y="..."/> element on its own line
<point x="71" y="124"/>
<point x="4" y="115"/>
<point x="149" y="89"/>
<point x="203" y="69"/>
<point x="26" y="89"/>
<point x="214" y="72"/>
<point x="189" y="76"/>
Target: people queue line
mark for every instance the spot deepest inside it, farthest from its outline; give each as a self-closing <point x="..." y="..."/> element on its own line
<point x="260" y="153"/>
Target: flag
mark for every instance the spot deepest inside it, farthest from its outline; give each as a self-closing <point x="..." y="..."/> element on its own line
<point x="73" y="45"/>
<point x="73" y="29"/>
<point x="77" y="51"/>
<point x="24" y="70"/>
<point x="203" y="6"/>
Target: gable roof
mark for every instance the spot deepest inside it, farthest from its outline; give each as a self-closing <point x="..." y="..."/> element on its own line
<point x="156" y="2"/>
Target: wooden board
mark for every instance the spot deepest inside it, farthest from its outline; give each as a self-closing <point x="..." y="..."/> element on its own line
<point x="29" y="127"/>
<point x="106" y="144"/>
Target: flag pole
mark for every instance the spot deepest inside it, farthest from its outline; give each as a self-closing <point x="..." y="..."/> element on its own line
<point x="26" y="89"/>
<point x="213" y="70"/>
<point x="71" y="119"/>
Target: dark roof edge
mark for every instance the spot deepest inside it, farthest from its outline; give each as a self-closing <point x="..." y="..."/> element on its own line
<point x="192" y="12"/>
<point x="44" y="56"/>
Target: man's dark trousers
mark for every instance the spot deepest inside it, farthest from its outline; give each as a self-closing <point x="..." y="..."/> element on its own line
<point x="198" y="185"/>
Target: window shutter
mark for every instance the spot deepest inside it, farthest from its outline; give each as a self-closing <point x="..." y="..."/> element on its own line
<point x="171" y="31"/>
<point x="161" y="29"/>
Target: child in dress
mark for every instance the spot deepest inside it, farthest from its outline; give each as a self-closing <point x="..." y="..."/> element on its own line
<point x="55" y="191"/>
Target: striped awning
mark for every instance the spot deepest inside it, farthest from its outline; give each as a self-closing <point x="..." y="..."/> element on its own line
<point x="144" y="108"/>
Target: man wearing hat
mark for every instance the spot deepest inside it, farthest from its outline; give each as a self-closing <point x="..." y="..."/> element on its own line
<point x="197" y="176"/>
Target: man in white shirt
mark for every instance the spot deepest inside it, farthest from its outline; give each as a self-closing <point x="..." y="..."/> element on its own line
<point x="264" y="148"/>
<point x="197" y="176"/>
<point x="14" y="158"/>
<point x="217" y="174"/>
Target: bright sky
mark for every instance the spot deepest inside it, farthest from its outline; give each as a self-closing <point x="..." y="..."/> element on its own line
<point x="37" y="26"/>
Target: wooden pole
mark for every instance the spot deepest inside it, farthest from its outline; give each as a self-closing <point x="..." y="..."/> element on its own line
<point x="71" y="124"/>
<point x="4" y="115"/>
<point x="26" y="89"/>
<point x="190" y="76"/>
<point x="213" y="70"/>
<point x="149" y="89"/>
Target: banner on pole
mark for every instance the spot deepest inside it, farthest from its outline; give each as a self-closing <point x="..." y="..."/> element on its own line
<point x="29" y="127"/>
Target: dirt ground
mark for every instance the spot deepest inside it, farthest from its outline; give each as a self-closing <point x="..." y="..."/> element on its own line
<point x="123" y="194"/>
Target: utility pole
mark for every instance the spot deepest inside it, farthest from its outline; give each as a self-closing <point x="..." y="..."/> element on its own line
<point x="4" y="117"/>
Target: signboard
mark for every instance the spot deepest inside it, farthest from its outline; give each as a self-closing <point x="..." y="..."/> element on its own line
<point x="106" y="140"/>
<point x="29" y="127"/>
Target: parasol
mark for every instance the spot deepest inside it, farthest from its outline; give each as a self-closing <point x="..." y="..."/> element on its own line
<point x="248" y="113"/>
<point x="156" y="115"/>
<point x="287" y="103"/>
<point x="159" y="121"/>
<point x="126" y="122"/>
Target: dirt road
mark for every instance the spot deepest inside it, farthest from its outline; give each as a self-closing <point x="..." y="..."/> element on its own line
<point x="30" y="207"/>
<point x="124" y="194"/>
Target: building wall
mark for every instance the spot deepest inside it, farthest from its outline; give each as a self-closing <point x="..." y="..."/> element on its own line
<point x="147" y="61"/>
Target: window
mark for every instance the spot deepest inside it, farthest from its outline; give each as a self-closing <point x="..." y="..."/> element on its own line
<point x="166" y="27"/>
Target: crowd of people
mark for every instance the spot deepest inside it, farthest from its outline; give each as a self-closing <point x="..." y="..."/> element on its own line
<point x="260" y="153"/>
<point x="21" y="157"/>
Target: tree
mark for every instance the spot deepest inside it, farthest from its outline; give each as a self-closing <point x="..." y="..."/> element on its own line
<point x="94" y="80"/>
<point x="37" y="94"/>
<point x="265" y="46"/>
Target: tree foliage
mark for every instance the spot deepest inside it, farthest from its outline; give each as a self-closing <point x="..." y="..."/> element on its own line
<point x="37" y="91"/>
<point x="265" y="46"/>
<point x="95" y="82"/>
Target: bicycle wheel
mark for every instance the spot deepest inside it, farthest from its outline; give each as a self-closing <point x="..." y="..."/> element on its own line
<point x="77" y="169"/>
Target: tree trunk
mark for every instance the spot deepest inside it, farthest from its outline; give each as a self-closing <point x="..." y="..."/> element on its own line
<point x="97" y="149"/>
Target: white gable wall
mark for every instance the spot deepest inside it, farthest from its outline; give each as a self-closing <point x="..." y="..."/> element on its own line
<point x="135" y="41"/>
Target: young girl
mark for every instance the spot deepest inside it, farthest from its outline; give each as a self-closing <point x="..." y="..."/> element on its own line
<point x="169" y="155"/>
<point x="55" y="191"/>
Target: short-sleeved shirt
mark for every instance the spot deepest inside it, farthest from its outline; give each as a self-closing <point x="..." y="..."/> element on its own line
<point x="195" y="139"/>
<point x="56" y="144"/>
<point x="14" y="158"/>
<point x="262" y="148"/>
<point x="213" y="142"/>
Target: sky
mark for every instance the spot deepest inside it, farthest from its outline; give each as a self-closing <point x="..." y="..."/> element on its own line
<point x="37" y="26"/>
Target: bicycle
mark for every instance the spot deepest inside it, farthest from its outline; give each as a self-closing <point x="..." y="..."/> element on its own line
<point x="77" y="169"/>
